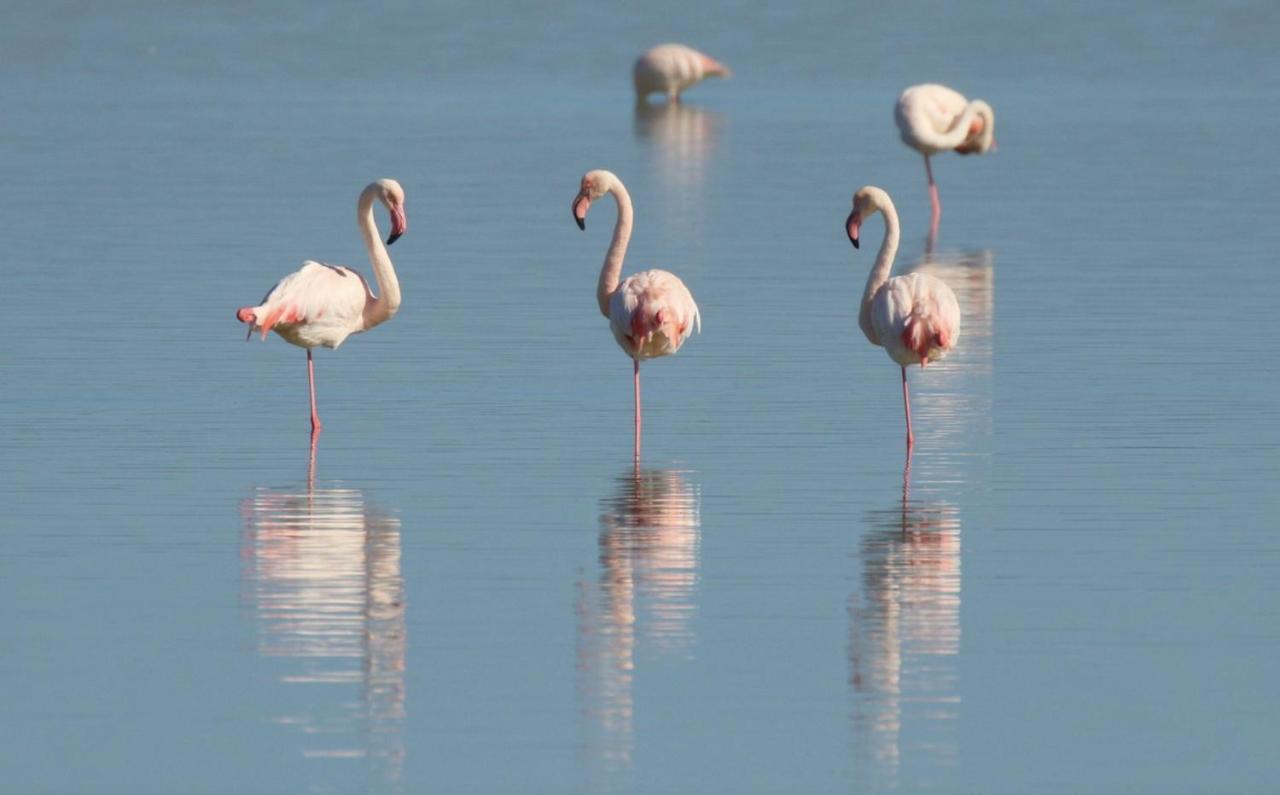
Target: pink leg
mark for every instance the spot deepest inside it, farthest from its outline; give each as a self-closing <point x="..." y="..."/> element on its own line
<point x="311" y="381"/>
<point x="311" y="463"/>
<point x="637" y="387"/>
<point x="906" y="403"/>
<point x="933" y="200"/>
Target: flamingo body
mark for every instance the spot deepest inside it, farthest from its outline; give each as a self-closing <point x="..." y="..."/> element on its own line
<point x="929" y="120"/>
<point x="916" y="318"/>
<point x="669" y="69"/>
<point x="318" y="305"/>
<point x="652" y="313"/>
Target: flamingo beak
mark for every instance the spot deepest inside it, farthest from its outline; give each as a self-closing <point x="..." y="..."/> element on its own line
<point x="398" y="224"/>
<point x="852" y="225"/>
<point x="580" y="207"/>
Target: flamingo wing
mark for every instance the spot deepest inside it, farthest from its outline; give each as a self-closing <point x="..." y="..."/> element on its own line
<point x="926" y="112"/>
<point x="654" y="301"/>
<point x="317" y="304"/>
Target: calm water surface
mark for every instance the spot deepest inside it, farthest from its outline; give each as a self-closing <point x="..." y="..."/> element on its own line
<point x="470" y="588"/>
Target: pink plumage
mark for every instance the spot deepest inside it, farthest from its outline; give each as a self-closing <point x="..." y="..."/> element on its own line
<point x="932" y="119"/>
<point x="914" y="317"/>
<point x="321" y="305"/>
<point x="669" y="69"/>
<point x="651" y="313"/>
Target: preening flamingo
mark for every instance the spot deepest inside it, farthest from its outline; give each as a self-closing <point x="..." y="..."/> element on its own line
<point x="671" y="68"/>
<point x="915" y="317"/>
<point x="933" y="118"/>
<point x="651" y="313"/>
<point x="321" y="304"/>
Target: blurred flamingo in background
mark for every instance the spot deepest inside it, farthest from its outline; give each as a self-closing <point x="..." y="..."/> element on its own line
<point x="651" y="313"/>
<point x="671" y="68"/>
<point x="932" y="119"/>
<point x="915" y="317"/>
<point x="323" y="304"/>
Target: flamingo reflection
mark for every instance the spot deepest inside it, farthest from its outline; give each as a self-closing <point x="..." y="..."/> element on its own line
<point x="322" y="569"/>
<point x="649" y="539"/>
<point x="904" y="635"/>
<point x="682" y="139"/>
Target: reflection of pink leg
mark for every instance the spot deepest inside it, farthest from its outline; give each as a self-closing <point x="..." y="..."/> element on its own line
<point x="311" y="381"/>
<point x="906" y="491"/>
<point x="637" y="386"/>
<point x="906" y="404"/>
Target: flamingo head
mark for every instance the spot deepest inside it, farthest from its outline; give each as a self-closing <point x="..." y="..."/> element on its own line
<point x="391" y="195"/>
<point x="594" y="185"/>
<point x="713" y="68"/>
<point x="982" y="131"/>
<point x="866" y="202"/>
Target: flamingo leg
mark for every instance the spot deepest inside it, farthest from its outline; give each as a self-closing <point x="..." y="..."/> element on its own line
<point x="906" y="404"/>
<point x="311" y="464"/>
<point x="311" y="382"/>
<point x="637" y="389"/>
<point x="933" y="200"/>
<point x="906" y="491"/>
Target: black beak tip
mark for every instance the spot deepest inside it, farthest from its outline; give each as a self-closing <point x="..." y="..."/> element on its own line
<point x="854" y="241"/>
<point x="582" y="223"/>
<point x="393" y="238"/>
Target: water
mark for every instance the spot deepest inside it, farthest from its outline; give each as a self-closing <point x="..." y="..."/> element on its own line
<point x="471" y="588"/>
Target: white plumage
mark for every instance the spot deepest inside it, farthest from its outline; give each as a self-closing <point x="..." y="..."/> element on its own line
<point x="932" y="119"/>
<point x="914" y="317"/>
<point x="657" y="300"/>
<point x="321" y="305"/>
<point x="318" y="305"/>
<point x="919" y="305"/>
<point x="669" y="69"/>
<point x="651" y="313"/>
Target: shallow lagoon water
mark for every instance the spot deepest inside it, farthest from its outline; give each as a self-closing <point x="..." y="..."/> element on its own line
<point x="471" y="588"/>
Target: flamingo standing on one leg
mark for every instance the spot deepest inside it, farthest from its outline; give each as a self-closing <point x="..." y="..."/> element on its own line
<point x="932" y="119"/>
<point x="323" y="304"/>
<point x="651" y="313"/>
<point x="915" y="317"/>
<point x="671" y="68"/>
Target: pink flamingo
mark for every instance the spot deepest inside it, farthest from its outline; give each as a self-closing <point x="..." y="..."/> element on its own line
<point x="651" y="313"/>
<point x="671" y="68"/>
<point x="933" y="118"/>
<point x="321" y="304"/>
<point x="915" y="317"/>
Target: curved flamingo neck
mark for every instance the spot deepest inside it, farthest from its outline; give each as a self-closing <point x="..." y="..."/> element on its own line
<point x="880" y="270"/>
<point x="611" y="271"/>
<point x="959" y="131"/>
<point x="377" y="309"/>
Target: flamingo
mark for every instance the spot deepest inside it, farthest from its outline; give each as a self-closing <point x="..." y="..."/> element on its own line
<point x="933" y="118"/>
<point x="651" y="313"/>
<point x="671" y="68"/>
<point x="915" y="317"/>
<point x="321" y="304"/>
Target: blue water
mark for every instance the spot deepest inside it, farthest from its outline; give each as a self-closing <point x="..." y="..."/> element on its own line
<point x="471" y="588"/>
